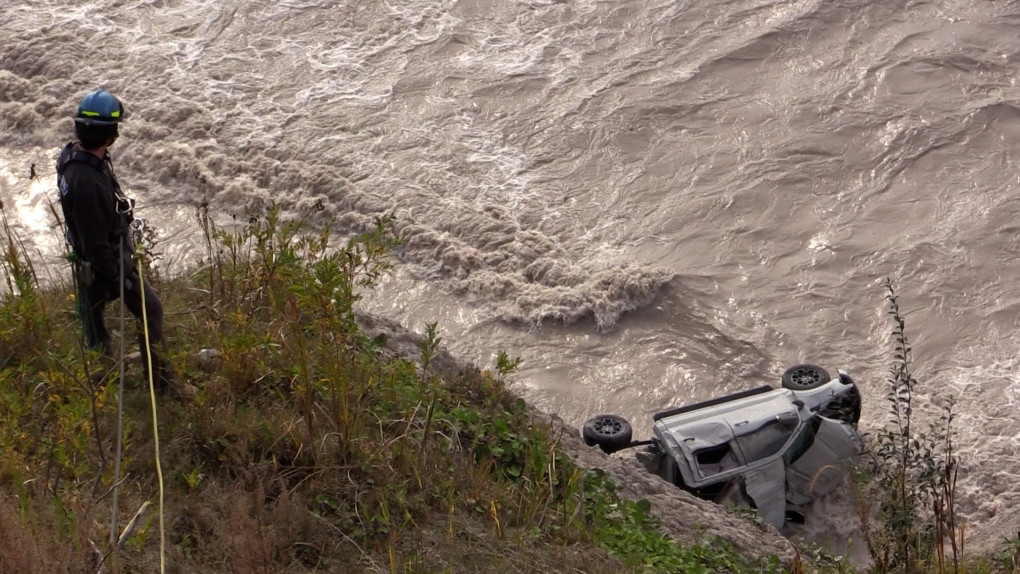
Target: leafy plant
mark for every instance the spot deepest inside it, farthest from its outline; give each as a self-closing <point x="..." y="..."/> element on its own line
<point x="905" y="472"/>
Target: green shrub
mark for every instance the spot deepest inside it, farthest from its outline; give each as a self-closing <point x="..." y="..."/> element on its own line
<point x="907" y="471"/>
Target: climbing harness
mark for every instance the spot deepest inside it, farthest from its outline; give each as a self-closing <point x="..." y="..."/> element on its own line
<point x="69" y="154"/>
<point x="125" y="205"/>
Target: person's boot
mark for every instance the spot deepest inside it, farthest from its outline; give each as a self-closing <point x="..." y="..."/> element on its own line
<point x="108" y="350"/>
<point x="163" y="376"/>
<point x="165" y="381"/>
<point x="168" y="383"/>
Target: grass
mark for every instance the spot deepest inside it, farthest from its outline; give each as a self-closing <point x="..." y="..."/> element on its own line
<point x="310" y="445"/>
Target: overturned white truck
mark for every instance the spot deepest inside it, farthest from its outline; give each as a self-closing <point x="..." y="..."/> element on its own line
<point x="775" y="450"/>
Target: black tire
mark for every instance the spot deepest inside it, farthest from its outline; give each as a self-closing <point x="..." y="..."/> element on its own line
<point x="609" y="432"/>
<point x="805" y="377"/>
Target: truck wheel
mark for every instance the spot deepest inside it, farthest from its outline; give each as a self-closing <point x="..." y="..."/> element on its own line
<point x="805" y="377"/>
<point x="609" y="432"/>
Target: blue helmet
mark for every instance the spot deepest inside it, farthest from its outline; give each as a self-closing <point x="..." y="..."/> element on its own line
<point x="99" y="108"/>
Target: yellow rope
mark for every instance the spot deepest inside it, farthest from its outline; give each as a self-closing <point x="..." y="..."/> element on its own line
<point x="155" y="424"/>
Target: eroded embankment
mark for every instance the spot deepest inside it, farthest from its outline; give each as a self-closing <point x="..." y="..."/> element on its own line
<point x="685" y="518"/>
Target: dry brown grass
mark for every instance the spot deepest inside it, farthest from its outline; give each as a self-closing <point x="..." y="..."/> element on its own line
<point x="31" y="544"/>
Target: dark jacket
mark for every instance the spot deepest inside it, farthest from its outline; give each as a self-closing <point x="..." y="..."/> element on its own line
<point x="95" y="210"/>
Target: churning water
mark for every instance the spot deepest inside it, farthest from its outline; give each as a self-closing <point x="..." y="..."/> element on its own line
<point x="651" y="202"/>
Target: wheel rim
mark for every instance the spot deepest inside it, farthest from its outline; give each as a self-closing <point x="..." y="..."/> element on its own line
<point x="805" y="377"/>
<point x="608" y="427"/>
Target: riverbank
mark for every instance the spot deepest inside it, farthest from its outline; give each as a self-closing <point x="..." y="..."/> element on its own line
<point x="313" y="437"/>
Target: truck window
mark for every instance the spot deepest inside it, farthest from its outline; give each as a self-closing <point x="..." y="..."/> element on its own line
<point x="768" y="439"/>
<point x="716" y="459"/>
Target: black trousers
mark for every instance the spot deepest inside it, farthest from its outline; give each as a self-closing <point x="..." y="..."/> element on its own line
<point x="95" y="292"/>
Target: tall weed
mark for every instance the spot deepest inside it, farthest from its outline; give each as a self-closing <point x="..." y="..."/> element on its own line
<point x="905" y="488"/>
<point x="22" y="317"/>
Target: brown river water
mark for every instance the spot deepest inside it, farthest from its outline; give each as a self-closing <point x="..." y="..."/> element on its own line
<point x="652" y="202"/>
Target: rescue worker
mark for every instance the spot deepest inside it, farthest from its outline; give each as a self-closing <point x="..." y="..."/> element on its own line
<point x="98" y="216"/>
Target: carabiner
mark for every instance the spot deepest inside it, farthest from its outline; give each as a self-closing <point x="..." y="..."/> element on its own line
<point x="136" y="227"/>
<point x="125" y="205"/>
